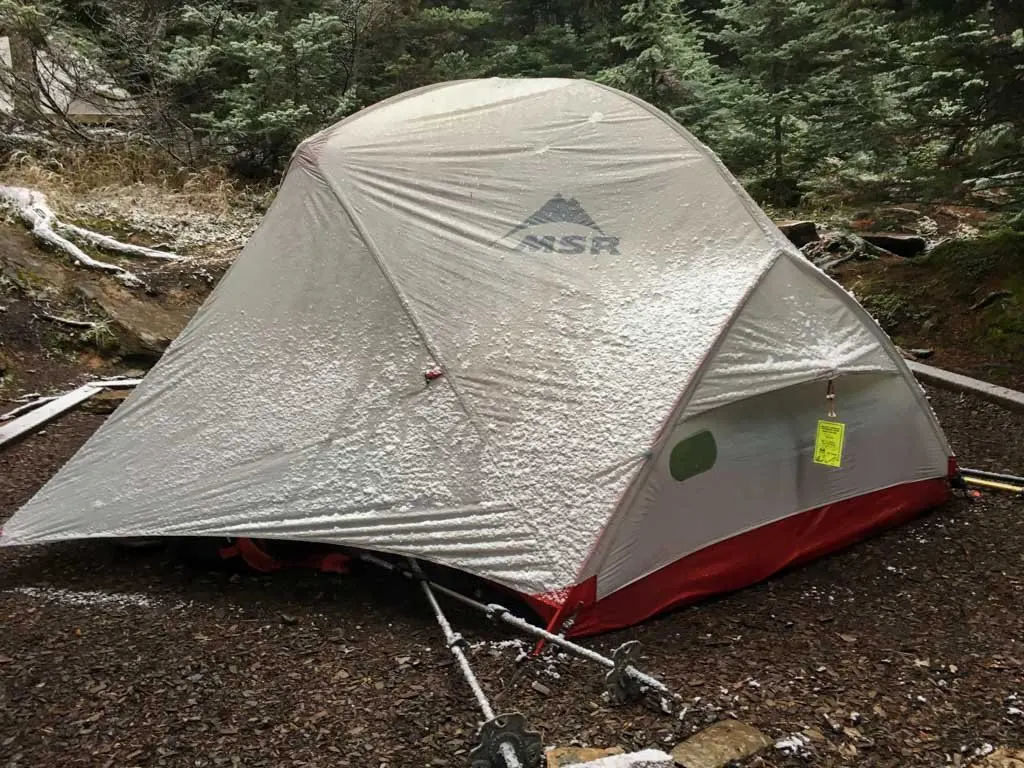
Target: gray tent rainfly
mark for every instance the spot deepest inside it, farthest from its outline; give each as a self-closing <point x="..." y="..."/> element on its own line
<point x="627" y="368"/>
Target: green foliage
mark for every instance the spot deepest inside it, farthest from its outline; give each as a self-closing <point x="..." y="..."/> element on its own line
<point x="806" y="100"/>
<point x="1000" y="254"/>
<point x="664" y="59"/>
<point x="258" y="83"/>
<point x="802" y="78"/>
<point x="963" y="90"/>
<point x="893" y="309"/>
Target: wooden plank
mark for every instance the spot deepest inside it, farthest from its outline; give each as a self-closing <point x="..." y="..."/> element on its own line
<point x="26" y="407"/>
<point x="44" y="413"/>
<point x="1010" y="399"/>
<point x="115" y="383"/>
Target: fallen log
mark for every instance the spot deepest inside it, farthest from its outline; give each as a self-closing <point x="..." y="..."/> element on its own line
<point x="36" y="418"/>
<point x="1008" y="398"/>
<point x="32" y="207"/>
<point x="898" y="243"/>
<point x="116" y="246"/>
<point x="989" y="299"/>
<point x="26" y="407"/>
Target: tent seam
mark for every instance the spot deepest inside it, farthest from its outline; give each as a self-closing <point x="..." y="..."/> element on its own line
<point x="666" y="426"/>
<point x="883" y="339"/>
<point x="421" y="331"/>
<point x="753" y="210"/>
<point x="820" y="377"/>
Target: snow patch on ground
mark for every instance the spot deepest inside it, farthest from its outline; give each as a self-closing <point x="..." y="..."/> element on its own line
<point x="92" y="598"/>
<point x="549" y="663"/>
<point x="1015" y="705"/>
<point x="794" y="745"/>
<point x="498" y="648"/>
<point x="648" y="758"/>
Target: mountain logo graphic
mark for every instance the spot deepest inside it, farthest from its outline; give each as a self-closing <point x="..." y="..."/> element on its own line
<point x="561" y="225"/>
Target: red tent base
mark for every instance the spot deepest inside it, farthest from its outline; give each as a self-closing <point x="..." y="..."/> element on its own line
<point x="748" y="558"/>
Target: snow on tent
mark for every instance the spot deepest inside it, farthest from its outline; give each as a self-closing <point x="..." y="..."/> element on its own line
<point x="532" y="330"/>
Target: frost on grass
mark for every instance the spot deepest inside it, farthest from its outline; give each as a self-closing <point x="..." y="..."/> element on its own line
<point x="210" y="234"/>
<point x="207" y="218"/>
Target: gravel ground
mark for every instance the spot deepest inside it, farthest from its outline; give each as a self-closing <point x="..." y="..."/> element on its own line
<point x="905" y="650"/>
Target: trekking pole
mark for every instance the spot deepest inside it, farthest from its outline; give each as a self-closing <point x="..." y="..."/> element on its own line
<point x="623" y="681"/>
<point x="504" y="740"/>
<point x="1013" y="479"/>
<point x="997" y="480"/>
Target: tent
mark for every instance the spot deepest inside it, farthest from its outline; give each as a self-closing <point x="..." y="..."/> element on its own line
<point x="530" y="329"/>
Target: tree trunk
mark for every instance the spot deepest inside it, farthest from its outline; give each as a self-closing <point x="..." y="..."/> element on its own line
<point x="777" y="171"/>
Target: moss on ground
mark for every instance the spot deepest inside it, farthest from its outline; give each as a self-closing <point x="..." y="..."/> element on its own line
<point x="930" y="301"/>
<point x="969" y="262"/>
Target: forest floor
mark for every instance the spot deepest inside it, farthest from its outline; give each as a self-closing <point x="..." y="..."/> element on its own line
<point x="904" y="650"/>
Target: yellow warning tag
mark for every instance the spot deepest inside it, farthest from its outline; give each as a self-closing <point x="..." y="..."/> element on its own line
<point x="828" y="444"/>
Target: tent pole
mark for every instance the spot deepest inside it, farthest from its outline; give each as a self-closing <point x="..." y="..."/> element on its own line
<point x="503" y="739"/>
<point x="994" y="484"/>
<point x="623" y="681"/>
<point x="1015" y="479"/>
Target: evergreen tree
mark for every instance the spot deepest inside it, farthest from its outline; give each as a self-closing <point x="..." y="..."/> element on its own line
<point x="664" y="59"/>
<point x="256" y="83"/>
<point x="963" y="89"/>
<point x="801" y="85"/>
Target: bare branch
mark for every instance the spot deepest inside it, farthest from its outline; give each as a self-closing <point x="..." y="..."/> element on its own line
<point x="33" y="209"/>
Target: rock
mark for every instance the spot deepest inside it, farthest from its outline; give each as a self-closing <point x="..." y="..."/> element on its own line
<point x="719" y="745"/>
<point x="1003" y="758"/>
<point x="907" y="246"/>
<point x="540" y="688"/>
<point x="562" y="756"/>
<point x="800" y="233"/>
<point x="145" y="329"/>
<point x="143" y="326"/>
<point x="814" y="734"/>
<point x="106" y="401"/>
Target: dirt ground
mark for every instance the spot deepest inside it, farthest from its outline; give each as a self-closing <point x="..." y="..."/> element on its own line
<point x="905" y="650"/>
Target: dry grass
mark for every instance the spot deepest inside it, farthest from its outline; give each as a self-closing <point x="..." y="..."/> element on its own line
<point x="138" y="190"/>
<point x="114" y="167"/>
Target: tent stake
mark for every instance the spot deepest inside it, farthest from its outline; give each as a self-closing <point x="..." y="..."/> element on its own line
<point x="503" y="739"/>
<point x="623" y="681"/>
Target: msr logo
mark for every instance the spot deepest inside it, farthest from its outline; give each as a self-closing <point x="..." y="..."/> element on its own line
<point x="561" y="226"/>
